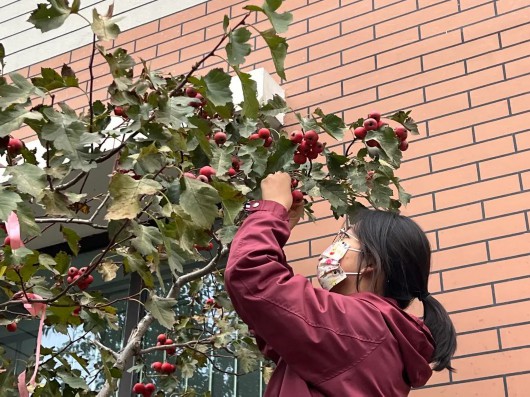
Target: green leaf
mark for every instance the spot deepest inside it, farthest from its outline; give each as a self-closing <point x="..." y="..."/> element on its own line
<point x="221" y="161"/>
<point x="332" y="124"/>
<point x="75" y="381"/>
<point x="282" y="156"/>
<point x="72" y="238"/>
<point x="2" y="55"/>
<point x="56" y="204"/>
<point x="335" y="163"/>
<point x="51" y="80"/>
<point x="124" y="192"/>
<point x="135" y="263"/>
<point x="334" y="193"/>
<point x="174" y="112"/>
<point x="103" y="26"/>
<point x="162" y="310"/>
<point x="380" y="195"/>
<point x="407" y="121"/>
<point x="238" y="48"/>
<point x="27" y="178"/>
<point x="253" y="8"/>
<point x="278" y="48"/>
<point x="8" y="202"/>
<point x="199" y="200"/>
<point x="250" y="105"/>
<point x="280" y="22"/>
<point x="274" y="106"/>
<point x="146" y="238"/>
<point x="217" y="83"/>
<point x="226" y="233"/>
<point x="389" y="145"/>
<point x="357" y="179"/>
<point x="50" y="16"/>
<point x="119" y="61"/>
<point x="12" y="118"/>
<point x="150" y="159"/>
<point x="226" y="23"/>
<point x="26" y="218"/>
<point x="231" y="199"/>
<point x="18" y="92"/>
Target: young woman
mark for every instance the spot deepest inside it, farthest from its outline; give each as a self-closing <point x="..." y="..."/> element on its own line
<point x="350" y="338"/>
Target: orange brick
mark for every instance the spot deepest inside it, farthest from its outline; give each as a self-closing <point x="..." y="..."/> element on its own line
<point x="402" y="15"/>
<point x="189" y="14"/>
<point x="465" y="4"/>
<point x="517" y="68"/>
<point x="305" y="267"/>
<point x="512" y="290"/>
<point x="439" y="143"/>
<point x="504" y="165"/>
<point x="441" y="180"/>
<point x="381" y="76"/>
<point x="81" y="53"/>
<point x="457" y="20"/>
<point x="464" y="83"/>
<point x="440" y="107"/>
<point x="518" y="385"/>
<point x="316" y="96"/>
<point x="525" y="177"/>
<point x="477" y="342"/>
<point x="323" y="14"/>
<point x="216" y="5"/>
<point x="344" y="102"/>
<point x="434" y="285"/>
<point x="500" y="90"/>
<point x="483" y="230"/>
<point x="523" y="141"/>
<point x="504" y="126"/>
<point x="334" y="72"/>
<point x="201" y="22"/>
<point x="54" y="63"/>
<point x="413" y="168"/>
<point x="379" y="45"/>
<point x="520" y="103"/>
<point x="515" y="35"/>
<point x="317" y="229"/>
<point x="432" y="240"/>
<point x="136" y="32"/>
<point x="428" y="3"/>
<point x="494" y="25"/>
<point x="479" y="388"/>
<point x="466" y="298"/>
<point x="470" y="154"/>
<point x="335" y="42"/>
<point x="418" y="205"/>
<point x="515" y="337"/>
<point x="509" y="203"/>
<point x="492" y="364"/>
<point x="296" y="87"/>
<point x="451" y="217"/>
<point x="486" y="273"/>
<point x="469" y="117"/>
<point x="510" y="246"/>
<point x="458" y="52"/>
<point x="297" y="250"/>
<point x="459" y="256"/>
<point x="168" y="38"/>
<point x="497" y="57"/>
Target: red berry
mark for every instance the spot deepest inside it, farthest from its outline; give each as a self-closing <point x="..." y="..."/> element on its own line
<point x="294" y="183"/>
<point x="76" y="311"/>
<point x="370" y="124"/>
<point x="171" y="351"/>
<point x="268" y="142"/>
<point x="150" y="388"/>
<point x="167" y="368"/>
<point x="69" y="279"/>
<point x="82" y="270"/>
<point x="360" y="132"/>
<point x="201" y="98"/>
<point x="82" y="285"/>
<point x="319" y="147"/>
<point x="203" y="178"/>
<point x="312" y="155"/>
<point x="210" y="301"/>
<point x="189" y="175"/>
<point x="168" y="342"/>
<point x="401" y="133"/>
<point x="253" y="137"/>
<point x="374" y="115"/>
<point x="7" y="241"/>
<point x="139" y="388"/>
<point x="157" y="366"/>
<point x="89" y="279"/>
<point x="299" y="158"/>
<point x="311" y="137"/>
<point x="296" y="136"/>
<point x="298" y="196"/>
<point x="372" y="143"/>
<point x="14" y="147"/>
<point x="235" y="163"/>
<point x="11" y="327"/>
<point x="161" y="338"/>
<point x="118" y="111"/>
<point x="191" y="92"/>
<point x="73" y="271"/>
<point x="264" y="133"/>
<point x="403" y="145"/>
<point x="304" y="147"/>
<point x="219" y="137"/>
<point x="232" y="172"/>
<point x="207" y="171"/>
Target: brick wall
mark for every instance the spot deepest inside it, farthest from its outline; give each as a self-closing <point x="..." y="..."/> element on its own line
<point x="462" y="66"/>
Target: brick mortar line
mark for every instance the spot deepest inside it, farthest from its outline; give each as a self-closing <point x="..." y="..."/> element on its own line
<point x="471" y="380"/>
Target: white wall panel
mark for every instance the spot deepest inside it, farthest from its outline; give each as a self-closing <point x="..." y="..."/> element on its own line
<point x="26" y="45"/>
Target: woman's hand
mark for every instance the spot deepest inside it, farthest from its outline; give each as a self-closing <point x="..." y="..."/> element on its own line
<point x="277" y="187"/>
<point x="295" y="213"/>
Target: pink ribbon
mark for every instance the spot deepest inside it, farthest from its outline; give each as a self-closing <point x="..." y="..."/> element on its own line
<point x="35" y="308"/>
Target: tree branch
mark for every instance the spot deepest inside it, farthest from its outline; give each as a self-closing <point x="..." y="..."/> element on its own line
<point x="91" y="84"/>
<point x="71" y="183"/>
<point x="87" y="222"/>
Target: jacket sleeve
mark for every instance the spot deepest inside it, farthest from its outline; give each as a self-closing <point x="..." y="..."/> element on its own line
<point x="319" y="334"/>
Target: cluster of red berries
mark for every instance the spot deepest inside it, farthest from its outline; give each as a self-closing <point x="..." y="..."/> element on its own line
<point x="79" y="277"/>
<point x="146" y="390"/>
<point x="13" y="146"/>
<point x="374" y="122"/>
<point x="205" y="174"/>
<point x="236" y="164"/>
<point x="308" y="146"/>
<point x="192" y="93"/>
<point x="262" y="133"/>
<point x="162" y="339"/>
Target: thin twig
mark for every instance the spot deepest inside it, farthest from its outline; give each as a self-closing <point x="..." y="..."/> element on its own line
<point x="91" y="85"/>
<point x="72" y="182"/>
<point x="99" y="208"/>
<point x="87" y="222"/>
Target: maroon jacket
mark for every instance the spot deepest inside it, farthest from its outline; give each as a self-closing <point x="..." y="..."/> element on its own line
<point x="324" y="344"/>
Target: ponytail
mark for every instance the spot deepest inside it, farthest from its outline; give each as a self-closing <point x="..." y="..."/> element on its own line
<point x="443" y="332"/>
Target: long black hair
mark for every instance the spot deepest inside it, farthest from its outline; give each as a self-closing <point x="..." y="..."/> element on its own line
<point x="400" y="254"/>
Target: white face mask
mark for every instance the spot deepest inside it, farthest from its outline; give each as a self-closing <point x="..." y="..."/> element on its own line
<point x="329" y="270"/>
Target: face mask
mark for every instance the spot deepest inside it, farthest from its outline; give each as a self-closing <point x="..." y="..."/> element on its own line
<point x="329" y="271"/>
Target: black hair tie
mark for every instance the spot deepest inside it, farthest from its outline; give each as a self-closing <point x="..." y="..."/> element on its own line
<point x="423" y="296"/>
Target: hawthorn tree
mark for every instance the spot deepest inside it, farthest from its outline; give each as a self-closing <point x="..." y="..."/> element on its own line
<point x="183" y="160"/>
